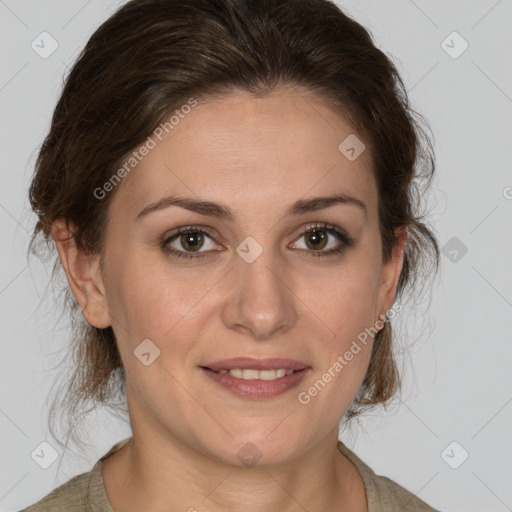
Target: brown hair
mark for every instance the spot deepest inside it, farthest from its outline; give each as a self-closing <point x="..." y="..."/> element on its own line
<point x="151" y="56"/>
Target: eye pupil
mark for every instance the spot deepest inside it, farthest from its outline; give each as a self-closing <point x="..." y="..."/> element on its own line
<point x="316" y="236"/>
<point x="192" y="241"/>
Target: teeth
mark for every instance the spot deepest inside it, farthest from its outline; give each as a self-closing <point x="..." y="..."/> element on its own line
<point x="250" y="374"/>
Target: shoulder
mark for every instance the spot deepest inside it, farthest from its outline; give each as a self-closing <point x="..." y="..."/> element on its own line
<point x="71" y="496"/>
<point x="384" y="494"/>
<point x="84" y="492"/>
<point x="390" y="495"/>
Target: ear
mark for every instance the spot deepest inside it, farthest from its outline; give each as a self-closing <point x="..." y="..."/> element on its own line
<point x="390" y="273"/>
<point x="84" y="276"/>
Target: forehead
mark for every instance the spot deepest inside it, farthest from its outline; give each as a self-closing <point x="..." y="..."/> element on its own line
<point x="239" y="148"/>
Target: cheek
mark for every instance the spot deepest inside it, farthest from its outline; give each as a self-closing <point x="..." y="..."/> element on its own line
<point x="344" y="299"/>
<point x="150" y="298"/>
<point x="345" y="302"/>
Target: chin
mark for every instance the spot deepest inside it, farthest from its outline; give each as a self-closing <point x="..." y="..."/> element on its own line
<point x="260" y="451"/>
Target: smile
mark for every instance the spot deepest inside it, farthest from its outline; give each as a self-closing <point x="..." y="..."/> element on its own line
<point x="252" y="374"/>
<point x="255" y="384"/>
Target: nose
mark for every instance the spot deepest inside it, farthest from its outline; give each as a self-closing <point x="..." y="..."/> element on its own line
<point x="260" y="301"/>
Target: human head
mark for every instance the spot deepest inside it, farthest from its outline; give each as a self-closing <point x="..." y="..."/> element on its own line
<point x="152" y="56"/>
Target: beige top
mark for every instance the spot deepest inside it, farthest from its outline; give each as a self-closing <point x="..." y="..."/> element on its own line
<point x="86" y="492"/>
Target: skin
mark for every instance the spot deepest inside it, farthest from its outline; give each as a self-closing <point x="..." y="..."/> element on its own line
<point x="256" y="156"/>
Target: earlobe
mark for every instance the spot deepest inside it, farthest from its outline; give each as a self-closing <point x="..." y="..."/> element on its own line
<point x="84" y="276"/>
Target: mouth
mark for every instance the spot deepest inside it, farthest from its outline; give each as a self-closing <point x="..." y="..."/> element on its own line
<point x="253" y="378"/>
<point x="256" y="369"/>
<point x="254" y="374"/>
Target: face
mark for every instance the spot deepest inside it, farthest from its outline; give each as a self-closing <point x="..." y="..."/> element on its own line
<point x="251" y="284"/>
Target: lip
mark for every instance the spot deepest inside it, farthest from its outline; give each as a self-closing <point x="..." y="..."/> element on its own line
<point x="256" y="388"/>
<point x="256" y="364"/>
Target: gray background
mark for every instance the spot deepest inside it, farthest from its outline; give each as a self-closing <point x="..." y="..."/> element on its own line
<point x="457" y="369"/>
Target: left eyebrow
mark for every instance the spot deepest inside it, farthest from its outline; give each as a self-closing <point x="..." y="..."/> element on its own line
<point x="300" y="207"/>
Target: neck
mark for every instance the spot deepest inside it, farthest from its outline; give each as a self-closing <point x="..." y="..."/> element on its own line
<point x="162" y="474"/>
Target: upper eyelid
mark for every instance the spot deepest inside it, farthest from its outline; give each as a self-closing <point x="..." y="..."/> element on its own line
<point x="186" y="229"/>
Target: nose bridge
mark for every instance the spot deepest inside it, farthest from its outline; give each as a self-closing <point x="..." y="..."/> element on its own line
<point x="260" y="299"/>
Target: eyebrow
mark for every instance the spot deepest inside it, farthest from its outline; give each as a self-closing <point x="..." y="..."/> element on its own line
<point x="300" y="207"/>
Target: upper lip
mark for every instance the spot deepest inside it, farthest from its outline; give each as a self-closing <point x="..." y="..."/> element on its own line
<point x="256" y="364"/>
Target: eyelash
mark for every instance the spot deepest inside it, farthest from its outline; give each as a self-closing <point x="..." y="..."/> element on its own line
<point x="342" y="236"/>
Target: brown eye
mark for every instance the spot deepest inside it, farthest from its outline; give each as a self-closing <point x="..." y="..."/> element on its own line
<point x="188" y="240"/>
<point x="192" y="241"/>
<point x="323" y="236"/>
<point x="316" y="239"/>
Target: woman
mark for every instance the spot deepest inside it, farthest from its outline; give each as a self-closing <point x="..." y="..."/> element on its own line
<point x="230" y="185"/>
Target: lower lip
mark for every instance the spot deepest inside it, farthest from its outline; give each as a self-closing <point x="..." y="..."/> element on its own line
<point x="256" y="388"/>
